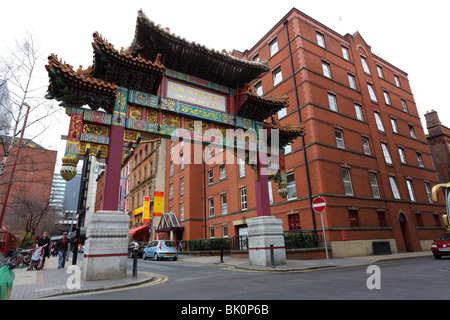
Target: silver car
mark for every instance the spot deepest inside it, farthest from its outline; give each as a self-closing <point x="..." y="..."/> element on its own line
<point x="160" y="249"/>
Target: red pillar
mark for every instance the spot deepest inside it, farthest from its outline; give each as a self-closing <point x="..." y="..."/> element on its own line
<point x="111" y="180"/>
<point x="261" y="187"/>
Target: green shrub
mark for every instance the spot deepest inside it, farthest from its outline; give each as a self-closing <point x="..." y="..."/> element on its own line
<point x="298" y="240"/>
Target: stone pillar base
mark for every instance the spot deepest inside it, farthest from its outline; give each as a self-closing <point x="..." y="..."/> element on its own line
<point x="106" y="247"/>
<point x="263" y="232"/>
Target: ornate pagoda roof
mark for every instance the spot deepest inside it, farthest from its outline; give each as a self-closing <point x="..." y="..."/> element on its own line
<point x="192" y="58"/>
<point x="125" y="67"/>
<point x="286" y="133"/>
<point x="256" y="107"/>
<point x="77" y="88"/>
<point x="97" y="85"/>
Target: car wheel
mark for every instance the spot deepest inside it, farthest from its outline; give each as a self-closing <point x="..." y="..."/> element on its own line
<point x="437" y="256"/>
<point x="175" y="259"/>
<point x="155" y="257"/>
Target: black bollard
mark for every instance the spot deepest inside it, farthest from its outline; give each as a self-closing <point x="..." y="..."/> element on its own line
<point x="135" y="256"/>
<point x="272" y="258"/>
<point x="221" y="254"/>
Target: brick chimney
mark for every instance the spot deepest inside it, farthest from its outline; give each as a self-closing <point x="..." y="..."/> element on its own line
<point x="432" y="119"/>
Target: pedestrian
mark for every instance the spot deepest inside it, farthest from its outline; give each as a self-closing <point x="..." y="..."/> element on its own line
<point x="44" y="242"/>
<point x="62" y="247"/>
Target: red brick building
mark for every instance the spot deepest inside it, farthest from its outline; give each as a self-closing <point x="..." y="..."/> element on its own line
<point x="366" y="150"/>
<point x="32" y="181"/>
<point x="439" y="142"/>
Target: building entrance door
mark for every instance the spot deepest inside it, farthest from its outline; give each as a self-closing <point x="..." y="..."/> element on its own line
<point x="405" y="232"/>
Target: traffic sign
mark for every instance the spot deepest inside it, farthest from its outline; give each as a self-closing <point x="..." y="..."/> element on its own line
<point x="319" y="204"/>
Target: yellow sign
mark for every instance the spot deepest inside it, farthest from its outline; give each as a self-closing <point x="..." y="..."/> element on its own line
<point x="196" y="96"/>
<point x="158" y="204"/>
<point x="146" y="217"/>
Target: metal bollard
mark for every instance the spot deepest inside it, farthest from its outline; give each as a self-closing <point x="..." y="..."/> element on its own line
<point x="221" y="254"/>
<point x="135" y="256"/>
<point x="272" y="258"/>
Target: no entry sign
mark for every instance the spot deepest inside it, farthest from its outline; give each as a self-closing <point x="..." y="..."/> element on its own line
<point x="319" y="204"/>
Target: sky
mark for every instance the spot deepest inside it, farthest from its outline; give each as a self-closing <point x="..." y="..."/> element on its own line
<point x="410" y="34"/>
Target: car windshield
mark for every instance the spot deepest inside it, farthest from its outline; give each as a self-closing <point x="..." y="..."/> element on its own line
<point x="444" y="237"/>
<point x="170" y="244"/>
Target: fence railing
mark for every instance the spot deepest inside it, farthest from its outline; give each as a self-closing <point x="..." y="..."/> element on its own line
<point x="292" y="239"/>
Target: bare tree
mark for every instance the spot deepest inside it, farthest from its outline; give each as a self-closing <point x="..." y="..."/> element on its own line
<point x="22" y="80"/>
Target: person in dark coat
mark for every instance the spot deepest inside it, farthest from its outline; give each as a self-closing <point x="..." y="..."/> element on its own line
<point x="62" y="247"/>
<point x="44" y="242"/>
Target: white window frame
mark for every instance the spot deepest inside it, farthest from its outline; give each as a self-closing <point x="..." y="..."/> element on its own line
<point x="241" y="165"/>
<point x="345" y="53"/>
<point x="397" y="81"/>
<point x="428" y="191"/>
<point x="410" y="186"/>
<point x="222" y="172"/>
<point x="210" y="177"/>
<point x="380" y="72"/>
<point x="373" y="97"/>
<point x="182" y="211"/>
<point x="282" y="113"/>
<point x="181" y="186"/>
<point x="365" y="65"/>
<point x="411" y="132"/>
<point x="171" y="191"/>
<point x="326" y="69"/>
<point x="243" y="195"/>
<point x="258" y="89"/>
<point x="211" y="207"/>
<point x="405" y="107"/>
<point x="223" y="203"/>
<point x="359" y="112"/>
<point x="387" y="98"/>
<point x="394" y="125"/>
<point x="320" y="39"/>
<point x="347" y="181"/>
<point x="380" y="125"/>
<point x="351" y="81"/>
<point x="277" y="76"/>
<point x="419" y="160"/>
<point x="387" y="156"/>
<point x="366" y="146"/>
<point x="402" y="155"/>
<point x="374" y="185"/>
<point x="273" y="47"/>
<point x="394" y="188"/>
<point x="291" y="186"/>
<point x="182" y="161"/>
<point x="269" y="185"/>
<point x="339" y="136"/>
<point x="332" y="102"/>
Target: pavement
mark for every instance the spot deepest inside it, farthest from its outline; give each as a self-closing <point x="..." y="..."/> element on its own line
<point x="54" y="282"/>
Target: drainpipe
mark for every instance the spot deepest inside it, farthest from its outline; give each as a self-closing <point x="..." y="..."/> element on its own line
<point x="285" y="22"/>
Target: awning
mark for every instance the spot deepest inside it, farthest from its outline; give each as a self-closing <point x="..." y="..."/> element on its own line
<point x="134" y="230"/>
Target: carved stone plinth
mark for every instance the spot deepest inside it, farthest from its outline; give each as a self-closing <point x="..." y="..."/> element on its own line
<point x="262" y="233"/>
<point x="106" y="247"/>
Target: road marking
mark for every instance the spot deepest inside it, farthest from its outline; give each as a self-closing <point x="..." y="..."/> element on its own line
<point x="159" y="279"/>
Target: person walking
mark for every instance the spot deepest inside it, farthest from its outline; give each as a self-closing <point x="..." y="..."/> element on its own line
<point x="62" y="247"/>
<point x="44" y="242"/>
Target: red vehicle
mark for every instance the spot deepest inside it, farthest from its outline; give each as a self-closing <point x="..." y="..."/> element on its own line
<point x="441" y="246"/>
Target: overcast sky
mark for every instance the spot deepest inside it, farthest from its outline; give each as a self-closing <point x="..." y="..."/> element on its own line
<point x="410" y="34"/>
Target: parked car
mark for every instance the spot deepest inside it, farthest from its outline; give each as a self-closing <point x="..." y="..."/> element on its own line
<point x="6" y="278"/>
<point x="441" y="246"/>
<point x="140" y="247"/>
<point x="161" y="249"/>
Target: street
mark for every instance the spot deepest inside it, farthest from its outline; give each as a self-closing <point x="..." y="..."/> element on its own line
<point x="411" y="279"/>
